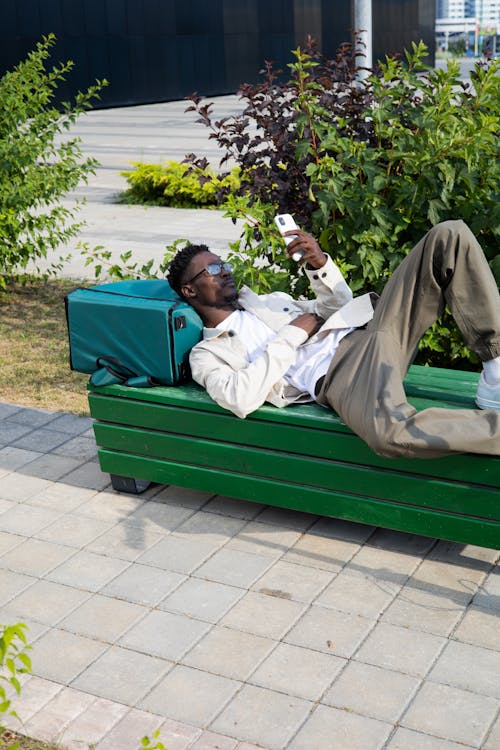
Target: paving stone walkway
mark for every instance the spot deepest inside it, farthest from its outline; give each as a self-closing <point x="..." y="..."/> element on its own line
<point x="229" y="625"/>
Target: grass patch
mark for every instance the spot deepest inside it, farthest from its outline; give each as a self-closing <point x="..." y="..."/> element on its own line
<point x="34" y="350"/>
<point x="8" y="739"/>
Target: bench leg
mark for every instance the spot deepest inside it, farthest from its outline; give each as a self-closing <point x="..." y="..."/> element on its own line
<point x="128" y="484"/>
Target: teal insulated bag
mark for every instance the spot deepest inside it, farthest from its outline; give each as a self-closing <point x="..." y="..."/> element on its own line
<point x="138" y="333"/>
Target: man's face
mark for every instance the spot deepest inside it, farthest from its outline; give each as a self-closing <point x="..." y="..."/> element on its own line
<point x="205" y="290"/>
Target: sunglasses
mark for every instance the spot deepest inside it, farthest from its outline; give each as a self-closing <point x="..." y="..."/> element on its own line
<point x="213" y="269"/>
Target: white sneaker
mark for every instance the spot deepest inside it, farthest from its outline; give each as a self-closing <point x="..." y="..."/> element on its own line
<point x="487" y="396"/>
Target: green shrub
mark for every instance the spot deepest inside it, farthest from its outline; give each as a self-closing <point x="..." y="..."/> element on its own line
<point x="37" y="166"/>
<point x="14" y="661"/>
<point x="175" y="184"/>
<point x="366" y="166"/>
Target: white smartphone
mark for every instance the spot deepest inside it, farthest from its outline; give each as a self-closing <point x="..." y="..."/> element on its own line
<point x="285" y="223"/>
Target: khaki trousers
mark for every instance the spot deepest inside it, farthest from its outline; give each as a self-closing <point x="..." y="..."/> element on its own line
<point x="364" y="381"/>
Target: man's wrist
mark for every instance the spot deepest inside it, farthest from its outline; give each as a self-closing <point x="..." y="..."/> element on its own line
<point x="321" y="262"/>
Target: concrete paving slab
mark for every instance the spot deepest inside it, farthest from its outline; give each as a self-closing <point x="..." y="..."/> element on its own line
<point x="330" y="631"/>
<point x="160" y="517"/>
<point x="36" y="557"/>
<point x="178" y="736"/>
<point x="479" y="627"/>
<point x="79" y="447"/>
<point x="48" y="602"/>
<point x="212" y="741"/>
<point x="179" y="554"/>
<point x="204" y="600"/>
<point x="493" y="739"/>
<point x="15" y="458"/>
<point x="322" y="552"/>
<point x="359" y="594"/>
<point x="92" y="725"/>
<point x="234" y="567"/>
<point x="264" y="539"/>
<point x="27" y="519"/>
<point x="143" y="584"/>
<point x="263" y="615"/>
<point x="450" y="713"/>
<point x="341" y="730"/>
<point x="108" y="505"/>
<point x="122" y="675"/>
<point x="230" y="653"/>
<point x="103" y="618"/>
<point x="420" y="609"/>
<point x="372" y="691"/>
<point x="86" y="570"/>
<point x="165" y="634"/>
<point x="51" y="467"/>
<point x="41" y="440"/>
<point x="60" y="496"/>
<point x="263" y="716"/>
<point x="74" y="530"/>
<point x="88" y="475"/>
<point x="130" y="730"/>
<point x="488" y="597"/>
<point x="60" y="656"/>
<point x="49" y="724"/>
<point x="232" y="506"/>
<point x="297" y="671"/>
<point x="10" y="431"/>
<point x="409" y="651"/>
<point x="11" y="584"/>
<point x="190" y="696"/>
<point x="469" y="667"/>
<point x="124" y="540"/>
<point x="9" y="541"/>
<point x="182" y="496"/>
<point x="210" y="528"/>
<point x="71" y="424"/>
<point x="7" y="410"/>
<point x="405" y="738"/>
<point x="291" y="581"/>
<point x="20" y="487"/>
<point x="36" y="693"/>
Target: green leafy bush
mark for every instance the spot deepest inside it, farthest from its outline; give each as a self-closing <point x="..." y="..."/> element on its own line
<point x="366" y="166"/>
<point x="104" y="264"/>
<point x="14" y="661"/>
<point x="175" y="184"/>
<point x="38" y="166"/>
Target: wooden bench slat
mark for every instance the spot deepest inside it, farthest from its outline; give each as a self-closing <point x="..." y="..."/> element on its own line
<point x="302" y="470"/>
<point x="288" y="437"/>
<point x="454" y="527"/>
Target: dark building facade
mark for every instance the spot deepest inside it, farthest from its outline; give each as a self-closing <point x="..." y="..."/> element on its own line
<point x="159" y="50"/>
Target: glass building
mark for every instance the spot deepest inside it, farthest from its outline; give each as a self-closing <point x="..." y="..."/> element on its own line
<point x="158" y="50"/>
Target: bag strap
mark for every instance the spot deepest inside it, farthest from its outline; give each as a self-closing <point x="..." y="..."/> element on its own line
<point x="112" y="371"/>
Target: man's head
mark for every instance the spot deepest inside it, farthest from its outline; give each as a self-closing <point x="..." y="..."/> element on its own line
<point x="203" y="280"/>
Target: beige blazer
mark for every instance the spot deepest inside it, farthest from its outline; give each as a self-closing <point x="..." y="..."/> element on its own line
<point x="219" y="362"/>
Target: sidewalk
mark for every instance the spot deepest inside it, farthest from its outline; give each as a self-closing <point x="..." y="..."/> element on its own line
<point x="232" y="625"/>
<point x="151" y="133"/>
<point x="227" y="625"/>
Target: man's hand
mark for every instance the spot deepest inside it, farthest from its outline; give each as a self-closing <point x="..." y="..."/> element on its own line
<point x="312" y="254"/>
<point x="309" y="322"/>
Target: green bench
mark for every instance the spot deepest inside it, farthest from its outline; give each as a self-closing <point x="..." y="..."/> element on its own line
<point x="302" y="457"/>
